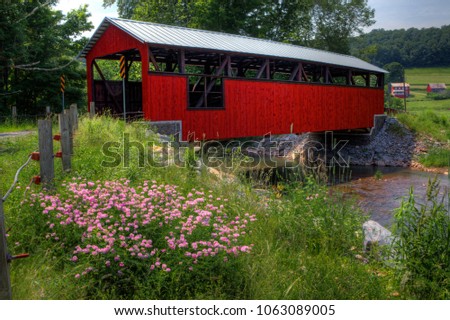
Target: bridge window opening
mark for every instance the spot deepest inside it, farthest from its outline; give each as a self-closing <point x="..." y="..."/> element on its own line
<point x="205" y="79"/>
<point x="206" y="72"/>
<point x="108" y="85"/>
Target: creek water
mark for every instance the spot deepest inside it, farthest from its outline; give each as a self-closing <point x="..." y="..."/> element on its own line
<point x="379" y="197"/>
<point x="376" y="197"/>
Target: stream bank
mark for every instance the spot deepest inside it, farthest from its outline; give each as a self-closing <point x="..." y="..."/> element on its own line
<point x="381" y="167"/>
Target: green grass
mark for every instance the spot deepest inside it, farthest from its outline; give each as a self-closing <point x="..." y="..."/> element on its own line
<point x="9" y="125"/>
<point x="420" y="77"/>
<point x="427" y="116"/>
<point x="428" y="122"/>
<point x="305" y="241"/>
<point x="423" y="252"/>
<point x="418" y="106"/>
<point x="436" y="158"/>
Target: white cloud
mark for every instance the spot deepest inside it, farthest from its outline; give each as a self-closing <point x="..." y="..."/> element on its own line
<point x="94" y="7"/>
<point x="408" y="14"/>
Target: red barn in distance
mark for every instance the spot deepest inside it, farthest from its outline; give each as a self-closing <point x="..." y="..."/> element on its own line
<point x="436" y="88"/>
<point x="398" y="89"/>
<point x="214" y="85"/>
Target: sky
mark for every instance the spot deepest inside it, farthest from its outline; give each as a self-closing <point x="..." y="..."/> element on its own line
<point x="404" y="14"/>
<point x="94" y="7"/>
<point x="389" y="14"/>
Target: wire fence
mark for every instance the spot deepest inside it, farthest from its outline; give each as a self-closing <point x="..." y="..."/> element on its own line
<point x="68" y="124"/>
<point x="16" y="179"/>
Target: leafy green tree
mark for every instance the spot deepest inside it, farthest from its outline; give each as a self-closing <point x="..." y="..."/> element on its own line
<point x="319" y="23"/>
<point x="396" y="72"/>
<point x="125" y="7"/>
<point x="335" y="21"/>
<point x="37" y="45"/>
<point x="284" y="20"/>
<point x="428" y="47"/>
<point x="11" y="36"/>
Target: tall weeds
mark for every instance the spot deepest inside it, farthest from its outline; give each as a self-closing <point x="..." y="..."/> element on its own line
<point x="422" y="244"/>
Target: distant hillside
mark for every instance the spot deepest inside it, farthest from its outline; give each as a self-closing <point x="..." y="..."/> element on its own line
<point x="413" y="48"/>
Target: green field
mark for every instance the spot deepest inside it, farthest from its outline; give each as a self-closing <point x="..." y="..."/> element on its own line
<point x="418" y="78"/>
<point x="426" y="115"/>
<point x="420" y="101"/>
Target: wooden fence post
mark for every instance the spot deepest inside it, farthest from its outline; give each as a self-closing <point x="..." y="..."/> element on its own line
<point x="5" y="282"/>
<point x="65" y="141"/>
<point x="47" y="110"/>
<point x="74" y="116"/>
<point x="69" y="114"/>
<point x="92" y="110"/>
<point x="46" y="152"/>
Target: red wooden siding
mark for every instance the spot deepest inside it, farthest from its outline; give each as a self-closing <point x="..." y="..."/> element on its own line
<point x="255" y="108"/>
<point x="113" y="41"/>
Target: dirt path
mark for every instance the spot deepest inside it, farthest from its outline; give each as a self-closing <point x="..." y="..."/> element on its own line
<point x="15" y="134"/>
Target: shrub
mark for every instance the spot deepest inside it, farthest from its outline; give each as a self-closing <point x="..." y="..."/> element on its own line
<point x="111" y="233"/>
<point x="422" y="238"/>
<point x="439" y="96"/>
<point x="394" y="103"/>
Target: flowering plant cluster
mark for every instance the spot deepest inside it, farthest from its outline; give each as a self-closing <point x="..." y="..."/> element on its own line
<point x="112" y="227"/>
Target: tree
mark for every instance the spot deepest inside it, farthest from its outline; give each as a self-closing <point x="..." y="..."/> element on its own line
<point x="319" y="23"/>
<point x="396" y="72"/>
<point x="37" y="45"/>
<point x="336" y="21"/>
<point x="10" y="38"/>
<point x="215" y="15"/>
<point x="428" y="47"/>
<point x="283" y="20"/>
<point x="124" y="7"/>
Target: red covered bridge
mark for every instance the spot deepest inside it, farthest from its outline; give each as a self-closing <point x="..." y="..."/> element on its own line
<point x="221" y="86"/>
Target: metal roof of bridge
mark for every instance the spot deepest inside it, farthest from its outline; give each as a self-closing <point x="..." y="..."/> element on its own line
<point x="173" y="36"/>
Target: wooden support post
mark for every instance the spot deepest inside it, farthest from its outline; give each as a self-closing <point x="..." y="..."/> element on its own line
<point x="14" y="114"/>
<point x="328" y="75"/>
<point x="265" y="68"/>
<point x="92" y="110"/>
<point x="380" y="80"/>
<point x="65" y="141"/>
<point x="268" y="69"/>
<point x="303" y="73"/>
<point x="153" y="59"/>
<point x="46" y="152"/>
<point x="70" y="129"/>
<point x="182" y="62"/>
<point x="229" y="68"/>
<point x="5" y="282"/>
<point x="350" y="78"/>
<point x="367" y="80"/>
<point x="107" y="86"/>
<point x="295" y="72"/>
<point x="47" y="111"/>
<point x="211" y="84"/>
<point x="74" y="116"/>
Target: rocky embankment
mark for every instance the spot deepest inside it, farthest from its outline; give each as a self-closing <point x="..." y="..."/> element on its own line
<point x="392" y="145"/>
